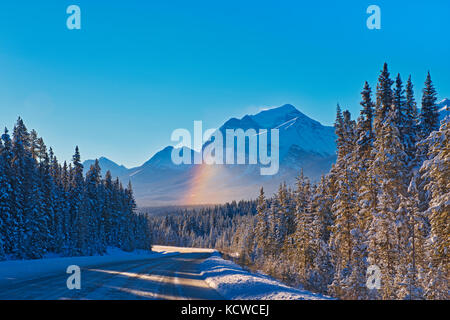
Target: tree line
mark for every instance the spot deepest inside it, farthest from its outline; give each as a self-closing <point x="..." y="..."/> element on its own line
<point x="209" y="227"/>
<point x="48" y="207"/>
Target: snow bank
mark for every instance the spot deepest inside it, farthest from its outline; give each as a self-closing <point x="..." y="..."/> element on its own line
<point x="170" y="249"/>
<point x="29" y="269"/>
<point x="234" y="283"/>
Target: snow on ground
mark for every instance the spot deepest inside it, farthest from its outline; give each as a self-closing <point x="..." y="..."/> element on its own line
<point x="234" y="283"/>
<point x="30" y="269"/>
<point x="227" y="278"/>
<point x="169" y="249"/>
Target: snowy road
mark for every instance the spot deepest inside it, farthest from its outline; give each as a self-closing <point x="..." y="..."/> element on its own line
<point x="166" y="273"/>
<point x="173" y="276"/>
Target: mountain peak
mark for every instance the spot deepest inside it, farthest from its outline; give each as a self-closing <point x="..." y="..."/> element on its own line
<point x="105" y="160"/>
<point x="160" y="156"/>
<point x="444" y="109"/>
<point x="444" y="103"/>
<point x="275" y="117"/>
<point x="106" y="165"/>
<point x="288" y="107"/>
<point x="163" y="158"/>
<point x="283" y="110"/>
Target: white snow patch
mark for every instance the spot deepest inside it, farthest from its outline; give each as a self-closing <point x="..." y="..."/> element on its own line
<point x="235" y="283"/>
<point x="171" y="249"/>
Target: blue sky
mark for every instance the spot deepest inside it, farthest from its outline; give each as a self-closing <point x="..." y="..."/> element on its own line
<point x="138" y="70"/>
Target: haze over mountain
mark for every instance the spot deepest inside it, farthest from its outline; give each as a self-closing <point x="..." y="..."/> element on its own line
<point x="304" y="144"/>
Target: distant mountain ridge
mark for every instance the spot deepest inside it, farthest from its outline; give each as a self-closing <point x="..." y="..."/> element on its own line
<point x="304" y="144"/>
<point x="444" y="109"/>
<point x="106" y="164"/>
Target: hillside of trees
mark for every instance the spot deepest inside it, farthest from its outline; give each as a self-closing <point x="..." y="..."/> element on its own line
<point x="386" y="202"/>
<point x="209" y="227"/>
<point x="46" y="207"/>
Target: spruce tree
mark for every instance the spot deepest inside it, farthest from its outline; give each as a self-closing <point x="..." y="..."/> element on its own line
<point x="437" y="172"/>
<point x="429" y="115"/>
<point x="401" y="114"/>
<point x="4" y="211"/>
<point x="303" y="254"/>
<point x="411" y="124"/>
<point x="321" y="208"/>
<point x="362" y="160"/>
<point x="91" y="208"/>
<point x="384" y="97"/>
<point x="6" y="195"/>
<point x="23" y="190"/>
<point x="389" y="170"/>
<point x="78" y="217"/>
<point x="412" y="259"/>
<point x="365" y="125"/>
<point x="262" y="230"/>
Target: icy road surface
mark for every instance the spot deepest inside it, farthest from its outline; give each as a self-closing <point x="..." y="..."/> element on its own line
<point x="166" y="273"/>
<point x="171" y="274"/>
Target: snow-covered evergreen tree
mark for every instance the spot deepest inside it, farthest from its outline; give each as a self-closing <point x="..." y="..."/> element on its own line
<point x="303" y="249"/>
<point x="262" y="226"/>
<point x="429" y="115"/>
<point x="7" y="222"/>
<point x="389" y="170"/>
<point x="23" y="190"/>
<point x="384" y="97"/>
<point x="411" y="264"/>
<point x="437" y="172"/>
<point x="46" y="207"/>
<point x="411" y="121"/>
<point x="321" y="208"/>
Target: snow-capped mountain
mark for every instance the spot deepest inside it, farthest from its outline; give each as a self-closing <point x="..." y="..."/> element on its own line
<point x="444" y="109"/>
<point x="303" y="144"/>
<point x="106" y="164"/>
<point x="295" y="129"/>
